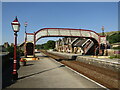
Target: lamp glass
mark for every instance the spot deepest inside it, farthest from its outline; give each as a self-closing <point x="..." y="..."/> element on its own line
<point x="15" y="28"/>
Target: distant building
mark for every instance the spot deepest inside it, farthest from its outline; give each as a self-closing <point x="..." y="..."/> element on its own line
<point x="6" y="45"/>
<point x="2" y="48"/>
<point x="74" y="45"/>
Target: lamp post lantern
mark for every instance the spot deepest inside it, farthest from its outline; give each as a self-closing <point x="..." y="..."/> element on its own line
<point x="16" y="27"/>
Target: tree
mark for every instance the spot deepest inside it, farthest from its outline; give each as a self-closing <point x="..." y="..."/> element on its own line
<point x="39" y="46"/>
<point x="114" y="38"/>
<point x="49" y="45"/>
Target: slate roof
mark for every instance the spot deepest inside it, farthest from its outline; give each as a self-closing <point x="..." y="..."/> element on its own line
<point x="64" y="40"/>
<point x="79" y="42"/>
<point x="22" y="44"/>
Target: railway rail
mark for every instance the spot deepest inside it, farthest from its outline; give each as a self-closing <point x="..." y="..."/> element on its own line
<point x="106" y="77"/>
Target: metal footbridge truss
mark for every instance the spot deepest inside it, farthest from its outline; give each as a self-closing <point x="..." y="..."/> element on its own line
<point x="66" y="32"/>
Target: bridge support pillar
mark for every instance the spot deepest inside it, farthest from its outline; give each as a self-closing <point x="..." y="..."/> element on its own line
<point x="34" y="45"/>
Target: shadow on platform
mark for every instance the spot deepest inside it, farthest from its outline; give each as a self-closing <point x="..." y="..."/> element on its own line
<point x="29" y="64"/>
<point x="40" y="72"/>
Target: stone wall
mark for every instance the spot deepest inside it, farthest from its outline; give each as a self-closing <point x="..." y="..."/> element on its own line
<point x="112" y="64"/>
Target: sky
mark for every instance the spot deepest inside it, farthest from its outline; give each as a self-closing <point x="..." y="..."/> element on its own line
<point x="77" y="15"/>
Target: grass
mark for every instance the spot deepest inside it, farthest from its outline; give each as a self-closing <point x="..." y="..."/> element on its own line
<point x="115" y="56"/>
<point x="110" y="33"/>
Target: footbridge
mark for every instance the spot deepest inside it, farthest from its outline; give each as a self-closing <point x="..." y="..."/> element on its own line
<point x="61" y="32"/>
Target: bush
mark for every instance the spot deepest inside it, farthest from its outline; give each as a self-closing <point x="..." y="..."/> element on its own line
<point x="11" y="51"/>
<point x="116" y="47"/>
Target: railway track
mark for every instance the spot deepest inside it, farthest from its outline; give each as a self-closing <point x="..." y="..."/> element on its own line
<point x="106" y="77"/>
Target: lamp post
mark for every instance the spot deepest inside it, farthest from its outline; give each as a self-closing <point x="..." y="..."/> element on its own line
<point x="103" y="30"/>
<point x="16" y="26"/>
<point x="25" y="24"/>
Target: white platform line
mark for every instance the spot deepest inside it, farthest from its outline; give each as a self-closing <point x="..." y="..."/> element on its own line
<point x="83" y="76"/>
<point x="87" y="78"/>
